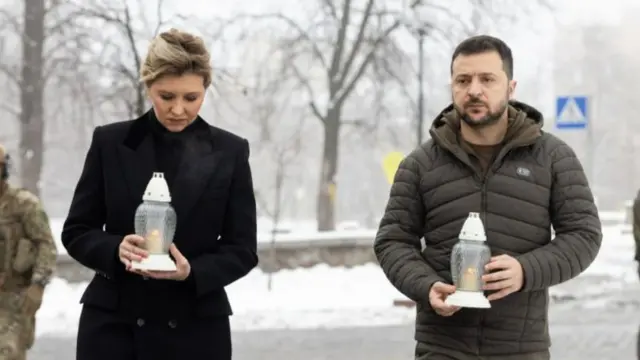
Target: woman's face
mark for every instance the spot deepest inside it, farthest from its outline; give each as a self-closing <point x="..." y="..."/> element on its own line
<point x="177" y="100"/>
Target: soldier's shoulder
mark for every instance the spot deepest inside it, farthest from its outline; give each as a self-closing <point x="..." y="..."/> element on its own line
<point x="24" y="197"/>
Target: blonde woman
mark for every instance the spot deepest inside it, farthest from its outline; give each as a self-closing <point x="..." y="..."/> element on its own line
<point x="183" y="314"/>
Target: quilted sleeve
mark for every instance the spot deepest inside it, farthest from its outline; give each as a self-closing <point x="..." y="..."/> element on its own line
<point x="575" y="220"/>
<point x="397" y="243"/>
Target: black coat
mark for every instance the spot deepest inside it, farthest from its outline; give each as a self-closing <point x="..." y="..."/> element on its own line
<point x="126" y="316"/>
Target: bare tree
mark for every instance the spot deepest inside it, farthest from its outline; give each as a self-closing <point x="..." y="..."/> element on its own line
<point x="283" y="159"/>
<point x="342" y="43"/>
<point x="32" y="95"/>
<point x="339" y="49"/>
<point x="42" y="24"/>
<point x="279" y="124"/>
<point x="283" y="154"/>
<point x="121" y="55"/>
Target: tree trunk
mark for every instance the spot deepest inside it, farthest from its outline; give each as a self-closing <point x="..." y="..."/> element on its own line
<point x="327" y="185"/>
<point x="141" y="100"/>
<point x="277" y="209"/>
<point x="31" y="96"/>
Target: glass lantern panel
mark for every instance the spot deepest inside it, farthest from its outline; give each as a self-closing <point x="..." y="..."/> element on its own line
<point x="469" y="260"/>
<point x="156" y="222"/>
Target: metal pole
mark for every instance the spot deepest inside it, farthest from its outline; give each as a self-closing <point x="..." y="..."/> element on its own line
<point x="420" y="119"/>
<point x="591" y="171"/>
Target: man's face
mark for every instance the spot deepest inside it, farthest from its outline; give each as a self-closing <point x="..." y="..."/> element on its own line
<point x="480" y="88"/>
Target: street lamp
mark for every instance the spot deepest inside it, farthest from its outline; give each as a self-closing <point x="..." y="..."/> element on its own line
<point x="420" y="28"/>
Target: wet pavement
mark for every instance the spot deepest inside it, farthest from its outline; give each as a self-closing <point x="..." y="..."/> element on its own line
<point x="602" y="327"/>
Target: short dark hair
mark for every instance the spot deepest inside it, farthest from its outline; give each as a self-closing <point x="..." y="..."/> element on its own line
<point x="484" y="43"/>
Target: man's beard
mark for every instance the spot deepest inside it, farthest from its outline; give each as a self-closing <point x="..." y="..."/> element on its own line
<point x="490" y="118"/>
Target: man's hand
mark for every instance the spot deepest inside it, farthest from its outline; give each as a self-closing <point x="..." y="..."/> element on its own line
<point x="183" y="268"/>
<point x="504" y="275"/>
<point x="438" y="294"/>
<point x="32" y="299"/>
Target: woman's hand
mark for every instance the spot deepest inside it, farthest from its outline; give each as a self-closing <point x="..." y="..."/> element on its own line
<point x="180" y="274"/>
<point x="130" y="250"/>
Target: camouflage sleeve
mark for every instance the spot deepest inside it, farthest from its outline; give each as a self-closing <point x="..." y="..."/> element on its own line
<point x="636" y="225"/>
<point x="37" y="229"/>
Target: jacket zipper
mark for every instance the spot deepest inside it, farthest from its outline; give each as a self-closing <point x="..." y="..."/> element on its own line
<point x="483" y="211"/>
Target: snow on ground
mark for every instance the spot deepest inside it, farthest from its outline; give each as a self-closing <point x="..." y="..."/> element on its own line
<point x="616" y="256"/>
<point x="302" y="298"/>
<point x="316" y="297"/>
<point x="335" y="297"/>
<point x="613" y="270"/>
<point x="287" y="232"/>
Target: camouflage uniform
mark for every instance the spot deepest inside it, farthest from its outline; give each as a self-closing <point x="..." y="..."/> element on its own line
<point x="27" y="260"/>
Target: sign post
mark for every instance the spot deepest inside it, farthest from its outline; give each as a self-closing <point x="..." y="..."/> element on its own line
<point x="574" y="113"/>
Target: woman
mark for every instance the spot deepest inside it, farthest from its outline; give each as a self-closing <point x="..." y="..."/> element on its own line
<point x="184" y="314"/>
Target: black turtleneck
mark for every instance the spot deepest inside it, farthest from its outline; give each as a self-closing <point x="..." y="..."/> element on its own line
<point x="169" y="146"/>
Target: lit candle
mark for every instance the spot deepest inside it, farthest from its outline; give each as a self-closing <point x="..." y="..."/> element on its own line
<point x="469" y="280"/>
<point x="153" y="242"/>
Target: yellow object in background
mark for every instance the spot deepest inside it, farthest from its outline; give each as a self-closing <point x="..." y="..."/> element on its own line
<point x="332" y="192"/>
<point x="390" y="164"/>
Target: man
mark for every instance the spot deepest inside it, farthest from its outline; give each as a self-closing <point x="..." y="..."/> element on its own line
<point x="27" y="259"/>
<point x="489" y="155"/>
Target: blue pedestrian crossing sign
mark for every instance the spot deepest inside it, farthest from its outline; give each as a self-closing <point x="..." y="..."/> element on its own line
<point x="571" y="112"/>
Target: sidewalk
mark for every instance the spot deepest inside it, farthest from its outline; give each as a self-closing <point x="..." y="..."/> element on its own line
<point x="597" y="329"/>
<point x="603" y="328"/>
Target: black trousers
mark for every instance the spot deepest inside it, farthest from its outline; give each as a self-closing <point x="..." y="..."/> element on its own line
<point x="106" y="335"/>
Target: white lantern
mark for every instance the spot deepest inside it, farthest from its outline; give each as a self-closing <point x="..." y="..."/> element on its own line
<point x="156" y="222"/>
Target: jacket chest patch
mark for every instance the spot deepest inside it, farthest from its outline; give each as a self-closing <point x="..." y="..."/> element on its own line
<point x="523" y="172"/>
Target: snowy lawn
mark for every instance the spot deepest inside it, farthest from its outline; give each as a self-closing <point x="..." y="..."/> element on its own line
<point x="335" y="297"/>
<point x="292" y="233"/>
<point x="304" y="298"/>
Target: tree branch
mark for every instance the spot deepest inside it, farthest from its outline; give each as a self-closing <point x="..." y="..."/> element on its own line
<point x="301" y="32"/>
<point x="355" y="50"/>
<point x="367" y="60"/>
<point x="338" y="49"/>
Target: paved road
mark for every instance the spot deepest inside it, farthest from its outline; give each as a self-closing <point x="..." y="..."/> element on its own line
<point x="580" y="331"/>
<point x="570" y="343"/>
